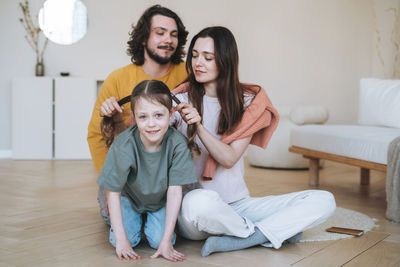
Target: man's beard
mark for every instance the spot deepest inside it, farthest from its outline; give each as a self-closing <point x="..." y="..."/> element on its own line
<point x="157" y="58"/>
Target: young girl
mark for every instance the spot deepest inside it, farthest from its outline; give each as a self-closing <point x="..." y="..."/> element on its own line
<point x="143" y="173"/>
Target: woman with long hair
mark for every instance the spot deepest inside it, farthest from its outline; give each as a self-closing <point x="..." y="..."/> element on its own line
<point x="228" y="116"/>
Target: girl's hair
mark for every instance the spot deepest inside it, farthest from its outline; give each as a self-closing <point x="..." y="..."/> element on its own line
<point x="152" y="90"/>
<point x="141" y="32"/>
<point x="229" y="89"/>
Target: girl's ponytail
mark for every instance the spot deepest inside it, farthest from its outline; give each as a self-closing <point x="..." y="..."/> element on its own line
<point x="191" y="133"/>
<point x="110" y="127"/>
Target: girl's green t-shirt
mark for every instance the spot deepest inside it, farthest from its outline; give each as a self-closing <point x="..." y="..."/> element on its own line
<point x="143" y="176"/>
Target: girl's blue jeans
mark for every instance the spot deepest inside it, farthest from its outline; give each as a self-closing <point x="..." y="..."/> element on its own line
<point x="153" y="228"/>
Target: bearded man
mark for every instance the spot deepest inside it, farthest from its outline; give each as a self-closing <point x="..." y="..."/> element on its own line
<point x="156" y="47"/>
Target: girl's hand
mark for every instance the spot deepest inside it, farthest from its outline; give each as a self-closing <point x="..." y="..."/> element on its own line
<point x="125" y="252"/>
<point x="189" y="114"/>
<point x="166" y="250"/>
<point x="110" y="106"/>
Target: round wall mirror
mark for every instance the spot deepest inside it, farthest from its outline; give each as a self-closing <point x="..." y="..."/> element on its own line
<point x="63" y="21"/>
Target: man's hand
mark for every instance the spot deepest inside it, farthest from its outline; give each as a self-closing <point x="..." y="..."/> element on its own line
<point x="166" y="250"/>
<point x="125" y="252"/>
<point x="110" y="107"/>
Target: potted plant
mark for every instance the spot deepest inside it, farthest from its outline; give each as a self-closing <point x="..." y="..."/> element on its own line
<point x="33" y="37"/>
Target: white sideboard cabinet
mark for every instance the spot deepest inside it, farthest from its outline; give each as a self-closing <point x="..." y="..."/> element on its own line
<point x="50" y="117"/>
<point x="32" y="118"/>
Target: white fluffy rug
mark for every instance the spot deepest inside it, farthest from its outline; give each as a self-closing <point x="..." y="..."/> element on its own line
<point x="341" y="218"/>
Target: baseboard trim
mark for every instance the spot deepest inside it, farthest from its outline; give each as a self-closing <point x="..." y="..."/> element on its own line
<point x="5" y="154"/>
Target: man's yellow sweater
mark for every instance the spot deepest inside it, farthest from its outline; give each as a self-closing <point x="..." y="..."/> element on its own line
<point x="119" y="84"/>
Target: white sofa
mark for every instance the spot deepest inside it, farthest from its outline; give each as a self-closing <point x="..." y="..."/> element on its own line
<point x="365" y="144"/>
<point x="277" y="155"/>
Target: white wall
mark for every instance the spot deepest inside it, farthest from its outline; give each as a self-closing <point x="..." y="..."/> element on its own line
<point x="301" y="51"/>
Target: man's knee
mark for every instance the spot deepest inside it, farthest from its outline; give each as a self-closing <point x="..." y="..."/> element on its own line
<point x="100" y="199"/>
<point x="105" y="217"/>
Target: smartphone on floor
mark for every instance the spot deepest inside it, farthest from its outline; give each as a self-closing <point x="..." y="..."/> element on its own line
<point x="347" y="231"/>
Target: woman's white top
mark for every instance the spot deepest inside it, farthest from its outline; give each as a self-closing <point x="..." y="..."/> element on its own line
<point x="229" y="183"/>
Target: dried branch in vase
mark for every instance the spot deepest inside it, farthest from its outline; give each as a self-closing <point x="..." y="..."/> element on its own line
<point x="32" y="32"/>
<point x="395" y="40"/>
<point x="378" y="41"/>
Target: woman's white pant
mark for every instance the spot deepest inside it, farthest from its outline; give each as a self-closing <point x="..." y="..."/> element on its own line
<point x="280" y="217"/>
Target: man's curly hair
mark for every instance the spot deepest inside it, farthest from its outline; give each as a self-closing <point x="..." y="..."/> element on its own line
<point x="141" y="32"/>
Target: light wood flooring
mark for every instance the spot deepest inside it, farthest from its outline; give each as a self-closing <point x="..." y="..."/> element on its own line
<point x="49" y="217"/>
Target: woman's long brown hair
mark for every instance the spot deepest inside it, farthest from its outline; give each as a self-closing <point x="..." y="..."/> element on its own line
<point x="229" y="89"/>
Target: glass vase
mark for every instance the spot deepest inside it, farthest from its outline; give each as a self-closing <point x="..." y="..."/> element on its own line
<point x="39" y="68"/>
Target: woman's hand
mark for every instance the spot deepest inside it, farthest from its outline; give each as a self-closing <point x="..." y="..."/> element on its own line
<point x="189" y="114"/>
<point x="125" y="252"/>
<point x="166" y="250"/>
<point x="110" y="106"/>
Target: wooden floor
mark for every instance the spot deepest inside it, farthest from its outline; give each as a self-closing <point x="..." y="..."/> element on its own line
<point x="49" y="217"/>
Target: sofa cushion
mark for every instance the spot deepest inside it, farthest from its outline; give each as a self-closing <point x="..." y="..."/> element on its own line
<point x="311" y="114"/>
<point x="367" y="143"/>
<point x="379" y="102"/>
